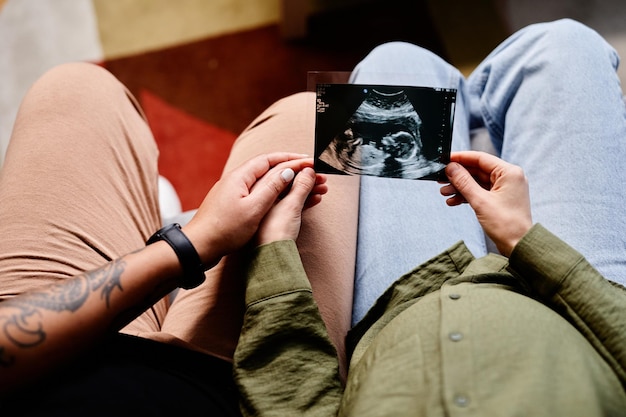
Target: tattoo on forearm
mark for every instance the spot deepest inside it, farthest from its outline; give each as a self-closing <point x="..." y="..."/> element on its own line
<point x="20" y="317"/>
<point x="107" y="279"/>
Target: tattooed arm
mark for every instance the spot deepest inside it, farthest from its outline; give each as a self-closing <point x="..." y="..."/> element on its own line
<point x="40" y="330"/>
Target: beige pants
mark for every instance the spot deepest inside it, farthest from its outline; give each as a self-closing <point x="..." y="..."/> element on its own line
<point x="79" y="188"/>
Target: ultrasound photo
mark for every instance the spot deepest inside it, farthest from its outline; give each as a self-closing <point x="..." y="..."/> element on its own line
<point x="384" y="131"/>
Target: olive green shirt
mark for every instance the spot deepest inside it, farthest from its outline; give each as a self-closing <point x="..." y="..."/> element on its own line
<point x="539" y="334"/>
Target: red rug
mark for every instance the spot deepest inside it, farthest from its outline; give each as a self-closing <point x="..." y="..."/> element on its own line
<point x="192" y="151"/>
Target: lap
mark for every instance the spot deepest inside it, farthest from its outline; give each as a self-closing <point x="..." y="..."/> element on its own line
<point x="403" y="223"/>
<point x="327" y="241"/>
<point x="79" y="182"/>
<point x="551" y="100"/>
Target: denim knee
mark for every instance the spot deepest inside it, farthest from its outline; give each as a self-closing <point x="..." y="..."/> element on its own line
<point x="571" y="41"/>
<point x="402" y="58"/>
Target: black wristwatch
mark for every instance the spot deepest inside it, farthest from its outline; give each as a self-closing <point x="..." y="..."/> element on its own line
<point x="193" y="269"/>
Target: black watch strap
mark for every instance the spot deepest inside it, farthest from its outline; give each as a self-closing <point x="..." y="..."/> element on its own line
<point x="193" y="270"/>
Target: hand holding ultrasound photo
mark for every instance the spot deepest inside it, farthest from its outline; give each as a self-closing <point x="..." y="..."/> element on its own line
<point x="384" y="131"/>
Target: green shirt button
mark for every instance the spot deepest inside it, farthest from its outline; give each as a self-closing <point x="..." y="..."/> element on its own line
<point x="461" y="400"/>
<point x="455" y="336"/>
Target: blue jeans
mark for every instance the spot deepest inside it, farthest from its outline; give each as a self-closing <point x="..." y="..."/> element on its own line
<point x="551" y="101"/>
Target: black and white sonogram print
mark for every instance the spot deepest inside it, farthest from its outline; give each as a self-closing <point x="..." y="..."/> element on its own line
<point x="384" y="131"/>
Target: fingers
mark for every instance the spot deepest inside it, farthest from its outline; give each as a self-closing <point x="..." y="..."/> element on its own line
<point x="483" y="161"/>
<point x="264" y="178"/>
<point x="278" y="179"/>
<point x="283" y="220"/>
<point x="233" y="209"/>
<point x="455" y="198"/>
<point x="476" y="168"/>
<point x="463" y="187"/>
<point x="479" y="164"/>
<point x="496" y="190"/>
<point x="302" y="187"/>
<point x="307" y="189"/>
<point x="257" y="167"/>
<point x="320" y="188"/>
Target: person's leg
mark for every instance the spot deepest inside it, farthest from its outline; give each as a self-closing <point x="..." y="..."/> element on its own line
<point x="552" y="102"/>
<point x="403" y="223"/>
<point x="79" y="183"/>
<point x="210" y="316"/>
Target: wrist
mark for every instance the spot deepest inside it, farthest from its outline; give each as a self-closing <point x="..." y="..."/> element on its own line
<point x="208" y="249"/>
<point x="192" y="266"/>
<point x="509" y="244"/>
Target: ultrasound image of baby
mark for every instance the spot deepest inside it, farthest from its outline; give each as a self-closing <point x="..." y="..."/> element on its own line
<point x="382" y="138"/>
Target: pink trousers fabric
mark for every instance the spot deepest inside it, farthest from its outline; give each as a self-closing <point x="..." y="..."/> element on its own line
<point x="78" y="188"/>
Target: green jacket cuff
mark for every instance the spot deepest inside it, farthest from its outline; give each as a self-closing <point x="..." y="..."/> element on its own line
<point x="275" y="269"/>
<point x="544" y="260"/>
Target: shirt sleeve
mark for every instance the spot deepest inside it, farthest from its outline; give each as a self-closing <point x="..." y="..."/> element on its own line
<point x="567" y="283"/>
<point x="284" y="364"/>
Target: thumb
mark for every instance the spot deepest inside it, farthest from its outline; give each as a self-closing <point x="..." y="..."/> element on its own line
<point x="463" y="182"/>
<point x="273" y="184"/>
<point x="302" y="186"/>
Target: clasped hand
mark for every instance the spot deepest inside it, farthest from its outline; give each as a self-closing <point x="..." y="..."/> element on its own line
<point x="496" y="190"/>
<point x="265" y="197"/>
<point x="238" y="206"/>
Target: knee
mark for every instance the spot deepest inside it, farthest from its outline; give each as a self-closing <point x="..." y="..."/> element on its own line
<point x="568" y="33"/>
<point x="74" y="75"/>
<point x="77" y="86"/>
<point x="393" y="52"/>
<point x="293" y="107"/>
<point x="404" y="62"/>
<point x="297" y="101"/>
<point x="570" y="39"/>
<point x="395" y="48"/>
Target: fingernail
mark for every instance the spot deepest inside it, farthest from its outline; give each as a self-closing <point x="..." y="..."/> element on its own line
<point x="452" y="168"/>
<point x="287" y="175"/>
